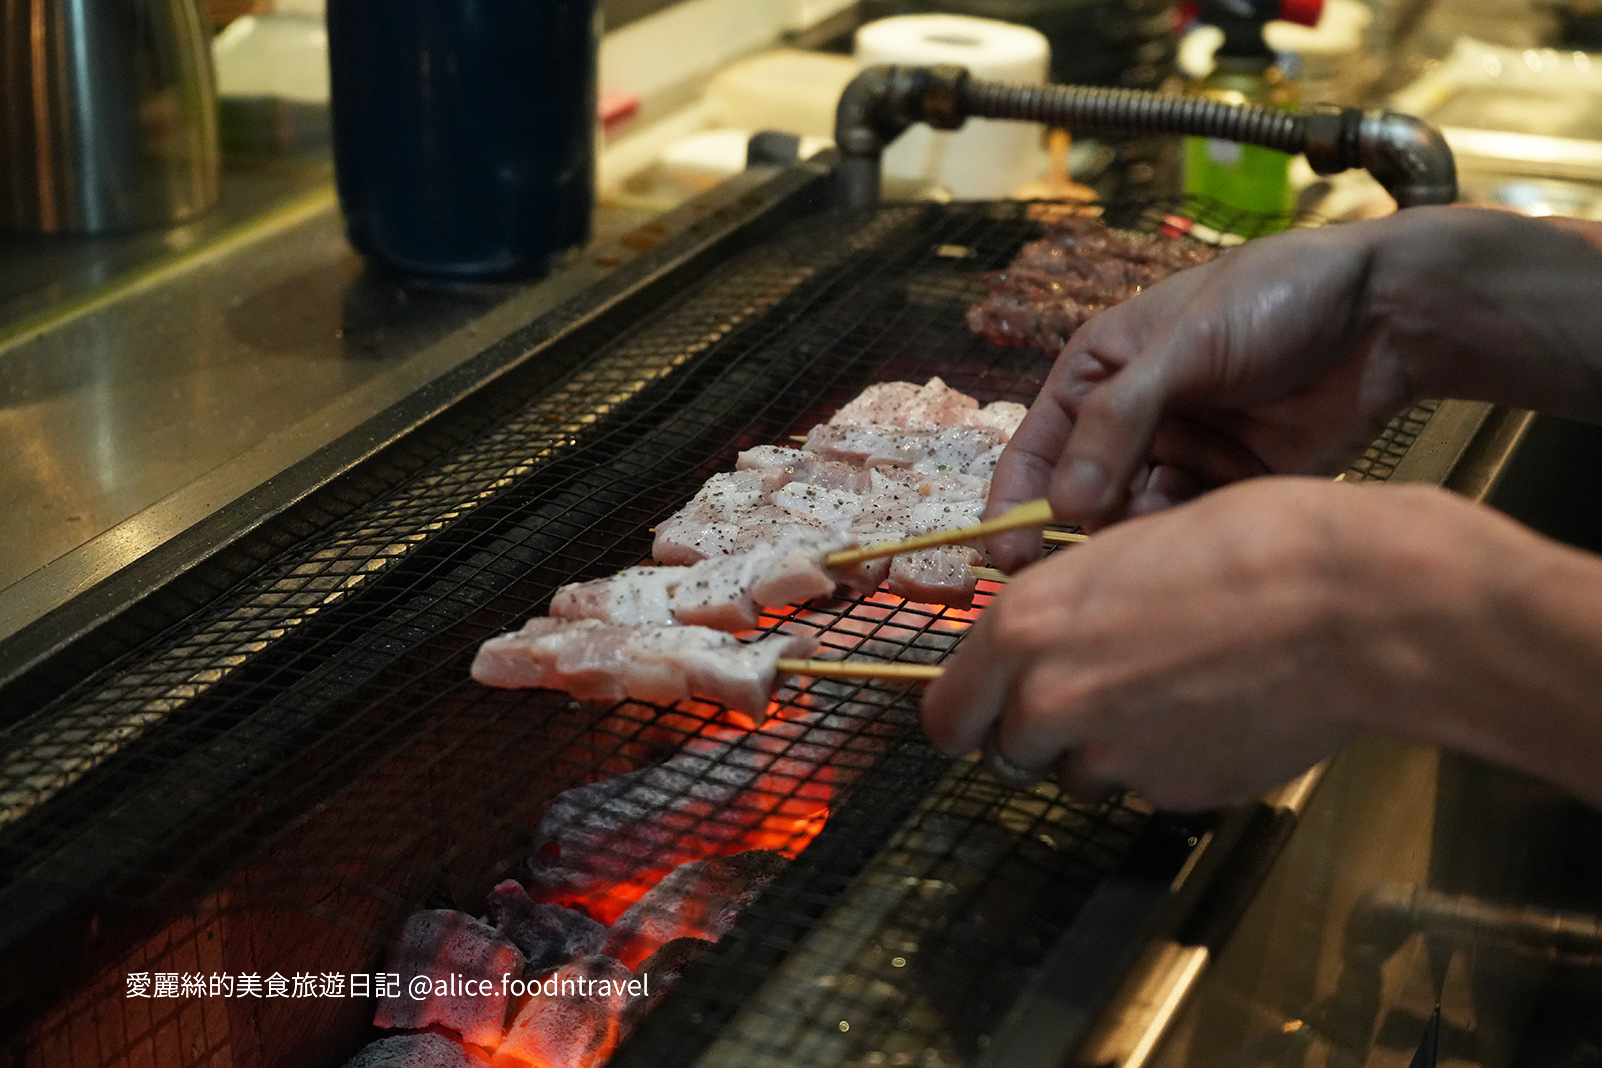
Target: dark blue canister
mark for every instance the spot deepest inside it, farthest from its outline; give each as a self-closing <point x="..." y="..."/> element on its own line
<point x="464" y="132"/>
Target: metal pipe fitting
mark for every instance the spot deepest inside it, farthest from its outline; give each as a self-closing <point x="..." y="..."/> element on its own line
<point x="1406" y="155"/>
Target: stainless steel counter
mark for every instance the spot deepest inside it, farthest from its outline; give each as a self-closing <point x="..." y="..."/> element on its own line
<point x="147" y="380"/>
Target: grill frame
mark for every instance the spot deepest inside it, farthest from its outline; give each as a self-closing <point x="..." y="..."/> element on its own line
<point x="170" y="583"/>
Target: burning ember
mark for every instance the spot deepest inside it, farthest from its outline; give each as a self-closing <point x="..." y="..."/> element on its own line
<point x="701" y="899"/>
<point x="464" y="961"/>
<point x="605" y="844"/>
<point x="574" y="1021"/>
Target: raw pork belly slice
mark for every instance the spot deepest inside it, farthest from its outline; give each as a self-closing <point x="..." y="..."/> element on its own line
<point x="899" y="460"/>
<point x="609" y="662"/>
<point x="440" y="943"/>
<point x="951" y="450"/>
<point x="781" y="465"/>
<point x="577" y="1026"/>
<point x="708" y="524"/>
<point x="722" y="592"/>
<point x="633" y="595"/>
<point x="942" y="575"/>
<point x="700" y="899"/>
<point x="928" y="407"/>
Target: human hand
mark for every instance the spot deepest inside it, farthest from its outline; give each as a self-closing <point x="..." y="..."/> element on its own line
<point x="1204" y="654"/>
<point x="1239" y="367"/>
<point x="1289" y="354"/>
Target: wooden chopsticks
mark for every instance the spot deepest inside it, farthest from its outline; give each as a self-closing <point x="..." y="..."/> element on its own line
<point x="860" y="669"/>
<point x="1030" y="514"/>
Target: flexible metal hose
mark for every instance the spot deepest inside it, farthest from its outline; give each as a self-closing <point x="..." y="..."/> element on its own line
<point x="1134" y="111"/>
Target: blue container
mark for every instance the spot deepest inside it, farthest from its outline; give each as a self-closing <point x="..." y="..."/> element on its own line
<point x="464" y="132"/>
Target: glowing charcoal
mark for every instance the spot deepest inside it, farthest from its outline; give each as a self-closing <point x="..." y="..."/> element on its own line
<point x="577" y="1024"/>
<point x="667" y="965"/>
<point x="426" y="1050"/>
<point x="662" y="970"/>
<point x="604" y="844"/>
<point x="548" y="935"/>
<point x="701" y="899"/>
<point x="450" y="948"/>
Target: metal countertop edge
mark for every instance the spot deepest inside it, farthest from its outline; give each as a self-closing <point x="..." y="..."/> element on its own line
<point x="89" y="587"/>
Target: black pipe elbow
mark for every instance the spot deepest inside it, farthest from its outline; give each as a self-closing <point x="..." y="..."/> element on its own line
<point x="1405" y="154"/>
<point x="878" y="105"/>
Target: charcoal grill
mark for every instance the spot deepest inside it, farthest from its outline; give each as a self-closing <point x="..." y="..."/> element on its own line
<point x="256" y="754"/>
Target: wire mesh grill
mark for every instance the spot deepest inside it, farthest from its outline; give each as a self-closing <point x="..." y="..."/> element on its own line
<point x="270" y="785"/>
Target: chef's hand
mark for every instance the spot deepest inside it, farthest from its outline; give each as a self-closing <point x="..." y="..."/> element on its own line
<point x="1289" y="354"/>
<point x="1204" y="654"/>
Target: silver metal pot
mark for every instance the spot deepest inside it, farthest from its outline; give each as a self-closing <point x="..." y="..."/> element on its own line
<point x="108" y="115"/>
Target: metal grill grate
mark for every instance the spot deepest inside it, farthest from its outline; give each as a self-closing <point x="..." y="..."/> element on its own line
<point x="270" y="785"/>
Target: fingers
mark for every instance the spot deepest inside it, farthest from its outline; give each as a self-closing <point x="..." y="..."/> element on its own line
<point x="1111" y="438"/>
<point x="1022" y="474"/>
<point x="960" y="706"/>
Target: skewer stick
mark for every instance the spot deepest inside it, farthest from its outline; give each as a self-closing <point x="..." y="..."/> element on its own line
<point x="1063" y="537"/>
<point x="860" y="669"/>
<point x="989" y="573"/>
<point x="1030" y="514"/>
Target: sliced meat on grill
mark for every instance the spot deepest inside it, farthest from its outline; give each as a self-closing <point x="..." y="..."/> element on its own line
<point x="952" y="450"/>
<point x="929" y="407"/>
<point x="903" y="404"/>
<point x="633" y="595"/>
<point x="769" y="523"/>
<point x="1001" y="416"/>
<point x="723" y="592"/>
<point x="1071" y="240"/>
<point x="425" y="1050"/>
<point x="831" y="506"/>
<point x="608" y="662"/>
<point x="913" y="516"/>
<point x="707" y="526"/>
<point x="701" y="899"/>
<point x="1078" y="269"/>
<point x="943" y="575"/>
<point x="449" y="948"/>
<point x="782" y="464"/>
<point x="900" y="481"/>
<point x="1019" y="319"/>
<point x="548" y="935"/>
<point x="578" y="1024"/>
